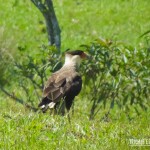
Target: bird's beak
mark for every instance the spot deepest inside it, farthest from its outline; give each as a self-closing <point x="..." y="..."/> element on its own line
<point x="85" y="56"/>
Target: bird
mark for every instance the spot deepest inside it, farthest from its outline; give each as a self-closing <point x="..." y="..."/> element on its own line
<point x="64" y="84"/>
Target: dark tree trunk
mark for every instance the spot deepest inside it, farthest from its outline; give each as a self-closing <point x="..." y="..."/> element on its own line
<point x="53" y="29"/>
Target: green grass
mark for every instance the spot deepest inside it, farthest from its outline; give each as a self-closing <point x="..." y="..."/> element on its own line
<point x="22" y="129"/>
<point x="118" y="19"/>
<point x="81" y="22"/>
<point x="27" y="130"/>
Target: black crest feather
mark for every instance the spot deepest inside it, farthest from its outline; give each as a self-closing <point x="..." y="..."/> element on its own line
<point x="75" y="52"/>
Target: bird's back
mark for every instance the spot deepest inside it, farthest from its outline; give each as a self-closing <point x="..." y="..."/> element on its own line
<point x="65" y="83"/>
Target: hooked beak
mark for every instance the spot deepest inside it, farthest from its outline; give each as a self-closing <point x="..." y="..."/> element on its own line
<point x="85" y="56"/>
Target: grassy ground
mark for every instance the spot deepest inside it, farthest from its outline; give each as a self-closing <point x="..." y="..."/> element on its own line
<point x="81" y="22"/>
<point x="21" y="129"/>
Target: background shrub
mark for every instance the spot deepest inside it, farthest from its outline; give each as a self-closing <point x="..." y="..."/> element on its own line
<point x="117" y="74"/>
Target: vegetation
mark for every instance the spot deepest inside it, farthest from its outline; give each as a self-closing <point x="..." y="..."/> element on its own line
<point x="117" y="74"/>
<point x="113" y="106"/>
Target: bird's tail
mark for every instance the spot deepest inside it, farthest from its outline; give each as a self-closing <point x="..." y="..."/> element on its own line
<point x="45" y="104"/>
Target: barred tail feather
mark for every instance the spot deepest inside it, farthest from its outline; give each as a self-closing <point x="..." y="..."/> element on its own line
<point x="45" y="104"/>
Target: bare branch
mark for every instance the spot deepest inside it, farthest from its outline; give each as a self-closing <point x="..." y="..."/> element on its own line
<point x="16" y="99"/>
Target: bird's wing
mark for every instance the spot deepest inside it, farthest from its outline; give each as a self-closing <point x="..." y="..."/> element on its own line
<point x="59" y="84"/>
<point x="73" y="90"/>
<point x="74" y="86"/>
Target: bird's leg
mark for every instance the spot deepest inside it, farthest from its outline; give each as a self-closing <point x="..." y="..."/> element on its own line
<point x="72" y="108"/>
<point x="68" y="104"/>
<point x="56" y="108"/>
<point x="61" y="108"/>
<point x="54" y="111"/>
<point x="68" y="116"/>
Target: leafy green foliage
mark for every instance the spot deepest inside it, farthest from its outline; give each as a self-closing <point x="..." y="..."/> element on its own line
<point x="117" y="74"/>
<point x="32" y="71"/>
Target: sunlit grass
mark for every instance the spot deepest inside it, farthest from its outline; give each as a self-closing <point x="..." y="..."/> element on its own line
<point x="27" y="130"/>
<point x="80" y="21"/>
<point x="119" y="20"/>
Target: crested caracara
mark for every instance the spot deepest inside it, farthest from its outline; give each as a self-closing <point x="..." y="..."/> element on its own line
<point x="65" y="83"/>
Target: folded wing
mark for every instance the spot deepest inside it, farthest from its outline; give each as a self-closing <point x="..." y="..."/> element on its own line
<point x="61" y="85"/>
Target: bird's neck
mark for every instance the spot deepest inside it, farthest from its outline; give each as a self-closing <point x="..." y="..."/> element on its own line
<point x="70" y="62"/>
<point x="70" y="66"/>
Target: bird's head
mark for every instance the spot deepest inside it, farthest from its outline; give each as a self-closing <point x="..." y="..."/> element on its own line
<point x="75" y="57"/>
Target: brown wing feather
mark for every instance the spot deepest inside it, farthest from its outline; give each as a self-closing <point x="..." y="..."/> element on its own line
<point x="58" y="84"/>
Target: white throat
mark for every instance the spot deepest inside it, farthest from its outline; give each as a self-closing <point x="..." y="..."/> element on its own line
<point x="72" y="60"/>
